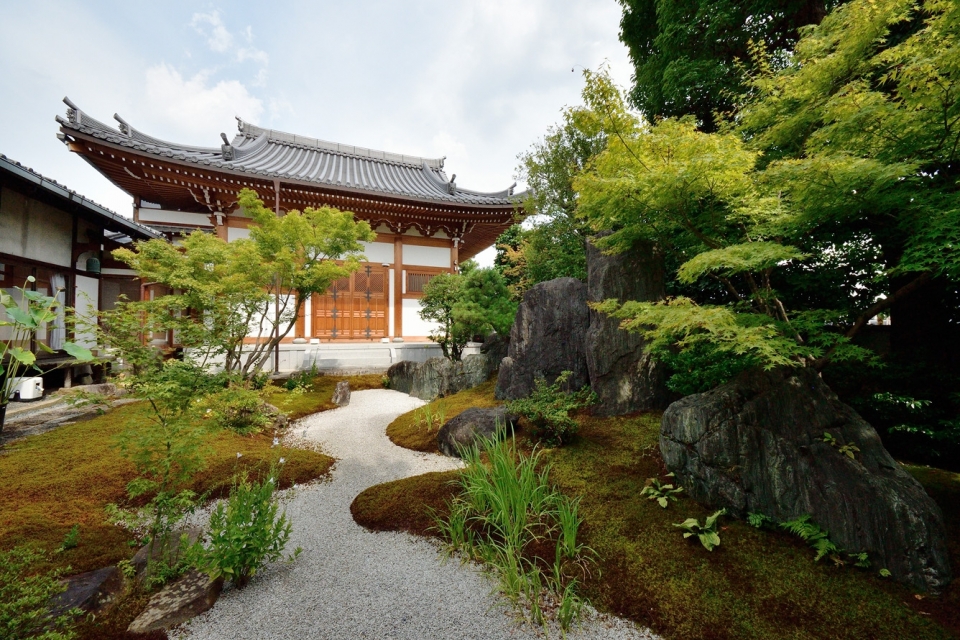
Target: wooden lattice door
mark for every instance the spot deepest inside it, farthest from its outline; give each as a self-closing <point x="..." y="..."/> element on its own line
<point x="354" y="307"/>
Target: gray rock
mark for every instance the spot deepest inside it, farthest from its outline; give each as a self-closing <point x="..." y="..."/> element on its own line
<point x="192" y="594"/>
<point x="341" y="395"/>
<point x="277" y="417"/>
<point x="624" y="377"/>
<point x="495" y="347"/>
<point x="439" y="377"/>
<point x="92" y="592"/>
<point x="171" y="552"/>
<point x="547" y="338"/>
<point x="465" y="429"/>
<point x="756" y="445"/>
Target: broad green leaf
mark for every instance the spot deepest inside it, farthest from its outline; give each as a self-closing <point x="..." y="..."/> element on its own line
<point x="711" y="521"/>
<point x="80" y="353"/>
<point x="22" y="356"/>
<point x="710" y="540"/>
<point x="662" y="502"/>
<point x="21" y="317"/>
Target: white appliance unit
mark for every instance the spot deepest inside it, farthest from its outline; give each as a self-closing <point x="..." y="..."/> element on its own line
<point x="26" y="388"/>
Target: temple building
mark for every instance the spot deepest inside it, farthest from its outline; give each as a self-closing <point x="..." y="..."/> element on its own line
<point x="425" y="223"/>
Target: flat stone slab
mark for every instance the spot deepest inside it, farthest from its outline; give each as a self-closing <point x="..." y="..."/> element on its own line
<point x="178" y="602"/>
<point x="93" y="591"/>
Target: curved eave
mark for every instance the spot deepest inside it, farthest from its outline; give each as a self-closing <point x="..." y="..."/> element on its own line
<point x="110" y="139"/>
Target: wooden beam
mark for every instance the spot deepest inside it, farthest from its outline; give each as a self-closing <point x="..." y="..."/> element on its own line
<point x="398" y="286"/>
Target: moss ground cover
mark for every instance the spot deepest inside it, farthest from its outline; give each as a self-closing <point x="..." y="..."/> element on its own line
<point x="410" y="432"/>
<point x="67" y="476"/>
<point x="297" y="405"/>
<point x="757" y="584"/>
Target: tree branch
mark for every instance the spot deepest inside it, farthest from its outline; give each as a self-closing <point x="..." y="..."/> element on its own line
<point x="880" y="305"/>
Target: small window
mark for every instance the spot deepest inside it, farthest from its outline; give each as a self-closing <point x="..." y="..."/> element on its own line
<point x="417" y="281"/>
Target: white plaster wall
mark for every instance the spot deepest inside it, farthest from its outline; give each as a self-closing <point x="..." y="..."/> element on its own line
<point x="378" y="252"/>
<point x="415" y="255"/>
<point x="413" y="325"/>
<point x="34" y="230"/>
<point x="174" y="217"/>
<point x="87" y="303"/>
<point x="236" y="233"/>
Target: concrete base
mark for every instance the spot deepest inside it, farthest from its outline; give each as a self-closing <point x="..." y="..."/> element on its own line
<point x="357" y="358"/>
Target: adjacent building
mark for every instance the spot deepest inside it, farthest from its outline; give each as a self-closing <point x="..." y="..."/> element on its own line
<point x="63" y="240"/>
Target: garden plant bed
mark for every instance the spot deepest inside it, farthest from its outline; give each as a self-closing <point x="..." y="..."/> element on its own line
<point x="757" y="584"/>
<point x="67" y="476"/>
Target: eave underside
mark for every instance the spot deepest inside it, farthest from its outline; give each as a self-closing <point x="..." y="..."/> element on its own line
<point x="184" y="187"/>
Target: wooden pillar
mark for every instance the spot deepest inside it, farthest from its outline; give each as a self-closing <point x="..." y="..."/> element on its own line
<point x="398" y="286"/>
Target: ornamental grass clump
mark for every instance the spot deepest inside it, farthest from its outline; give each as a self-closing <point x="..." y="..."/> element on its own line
<point x="508" y="511"/>
<point x="246" y="532"/>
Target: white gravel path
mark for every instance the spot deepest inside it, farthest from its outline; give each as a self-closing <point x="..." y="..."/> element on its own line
<point x="352" y="583"/>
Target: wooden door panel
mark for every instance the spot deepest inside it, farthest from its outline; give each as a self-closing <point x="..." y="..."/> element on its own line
<point x="354" y="307"/>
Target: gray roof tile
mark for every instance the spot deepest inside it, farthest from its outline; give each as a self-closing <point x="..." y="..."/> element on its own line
<point x="276" y="154"/>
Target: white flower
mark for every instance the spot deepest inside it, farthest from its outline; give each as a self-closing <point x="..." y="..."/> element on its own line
<point x="239" y="455"/>
<point x="282" y="460"/>
<point x="276" y="441"/>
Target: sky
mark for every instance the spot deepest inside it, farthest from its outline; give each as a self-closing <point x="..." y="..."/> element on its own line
<point x="477" y="81"/>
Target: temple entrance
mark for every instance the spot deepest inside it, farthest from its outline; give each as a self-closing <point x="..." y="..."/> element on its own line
<point x="354" y="308"/>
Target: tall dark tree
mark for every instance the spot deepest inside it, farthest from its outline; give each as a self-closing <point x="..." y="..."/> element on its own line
<point x="690" y="56"/>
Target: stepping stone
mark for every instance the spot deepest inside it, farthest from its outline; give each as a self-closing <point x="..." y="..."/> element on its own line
<point x="178" y="602"/>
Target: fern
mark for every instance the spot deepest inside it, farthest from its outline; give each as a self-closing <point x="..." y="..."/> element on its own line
<point x="812" y="534"/>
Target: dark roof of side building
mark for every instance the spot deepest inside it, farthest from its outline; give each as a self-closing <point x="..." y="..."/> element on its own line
<point x="108" y="218"/>
<point x="279" y="155"/>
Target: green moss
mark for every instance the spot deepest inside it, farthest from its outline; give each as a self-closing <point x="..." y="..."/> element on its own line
<point x="405" y="505"/>
<point x="297" y="405"/>
<point x="409" y="432"/>
<point x="67" y="476"/>
<point x="757" y="584"/>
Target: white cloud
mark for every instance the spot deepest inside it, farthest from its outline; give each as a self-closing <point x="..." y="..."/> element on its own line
<point x="211" y="27"/>
<point x="193" y="106"/>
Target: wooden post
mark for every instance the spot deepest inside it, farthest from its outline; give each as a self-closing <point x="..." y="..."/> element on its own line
<point x="398" y="286"/>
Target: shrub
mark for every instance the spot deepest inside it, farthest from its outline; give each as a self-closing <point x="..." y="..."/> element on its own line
<point x="246" y="532"/>
<point x="24" y="598"/>
<point x="237" y="409"/>
<point x="548" y="409"/>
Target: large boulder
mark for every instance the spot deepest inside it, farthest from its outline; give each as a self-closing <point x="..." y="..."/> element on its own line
<point x="467" y="428"/>
<point x="756" y="444"/>
<point x="624" y="377"/>
<point x="495" y="347"/>
<point x="439" y="377"/>
<point x="547" y="338"/>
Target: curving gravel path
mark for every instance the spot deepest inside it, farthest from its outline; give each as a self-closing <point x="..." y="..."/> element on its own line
<point x="352" y="583"/>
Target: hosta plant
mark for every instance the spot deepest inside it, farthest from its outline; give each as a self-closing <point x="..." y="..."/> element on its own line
<point x="662" y="493"/>
<point x="707" y="532"/>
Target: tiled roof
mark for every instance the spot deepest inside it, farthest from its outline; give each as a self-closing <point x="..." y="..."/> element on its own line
<point x="113" y="219"/>
<point x="284" y="156"/>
